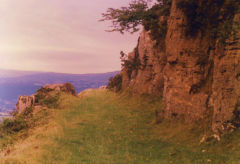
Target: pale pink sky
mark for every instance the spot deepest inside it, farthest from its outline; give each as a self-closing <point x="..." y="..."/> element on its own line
<point x="60" y="36"/>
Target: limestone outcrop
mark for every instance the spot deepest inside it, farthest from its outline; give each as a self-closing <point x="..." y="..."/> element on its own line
<point x="35" y="100"/>
<point x="148" y="79"/>
<point x="25" y="102"/>
<point x="198" y="79"/>
<point x="66" y="87"/>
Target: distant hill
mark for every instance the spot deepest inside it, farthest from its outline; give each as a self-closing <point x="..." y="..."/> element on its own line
<point x="4" y="73"/>
<point x="16" y="83"/>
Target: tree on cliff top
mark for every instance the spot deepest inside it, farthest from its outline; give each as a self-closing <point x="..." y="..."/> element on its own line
<point x="213" y="18"/>
<point x="139" y="12"/>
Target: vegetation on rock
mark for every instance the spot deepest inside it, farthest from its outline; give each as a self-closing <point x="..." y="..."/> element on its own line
<point x="130" y="64"/>
<point x="115" y="83"/>
<point x="212" y="18"/>
<point x="47" y="97"/>
<point x="18" y="126"/>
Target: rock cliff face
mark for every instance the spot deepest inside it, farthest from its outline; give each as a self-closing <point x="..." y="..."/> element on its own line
<point x="225" y="97"/>
<point x="34" y="101"/>
<point x="25" y="102"/>
<point x="188" y="72"/>
<point x="148" y="79"/>
<point x="198" y="79"/>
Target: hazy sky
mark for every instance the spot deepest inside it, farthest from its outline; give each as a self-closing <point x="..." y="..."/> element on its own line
<point x="60" y="36"/>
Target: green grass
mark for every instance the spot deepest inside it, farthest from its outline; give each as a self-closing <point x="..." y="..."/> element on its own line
<point x="105" y="128"/>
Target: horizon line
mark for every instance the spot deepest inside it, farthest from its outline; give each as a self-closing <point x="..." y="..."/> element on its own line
<point x="40" y="71"/>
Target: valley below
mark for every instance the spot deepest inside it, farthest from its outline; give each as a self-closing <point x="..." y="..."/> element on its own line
<point x="17" y="83"/>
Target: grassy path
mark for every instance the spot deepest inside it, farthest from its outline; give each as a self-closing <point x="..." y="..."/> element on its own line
<point x="101" y="127"/>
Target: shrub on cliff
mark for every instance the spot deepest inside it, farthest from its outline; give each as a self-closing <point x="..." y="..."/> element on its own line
<point x="49" y="97"/>
<point x="51" y="101"/>
<point x="42" y="93"/>
<point x="130" y="64"/>
<point x="68" y="88"/>
<point x="115" y="83"/>
<point x="18" y="123"/>
<point x="45" y="92"/>
<point x="18" y="126"/>
<point x="13" y="125"/>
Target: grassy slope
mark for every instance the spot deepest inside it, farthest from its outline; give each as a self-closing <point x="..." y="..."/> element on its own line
<point x="102" y="127"/>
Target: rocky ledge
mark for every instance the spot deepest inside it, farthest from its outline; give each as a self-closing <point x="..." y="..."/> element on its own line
<point x="36" y="100"/>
